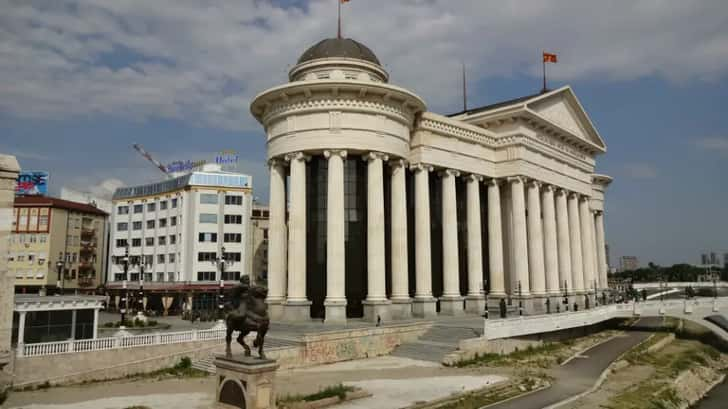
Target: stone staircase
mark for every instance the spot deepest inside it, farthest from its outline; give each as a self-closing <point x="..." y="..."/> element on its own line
<point x="438" y="341"/>
<point x="206" y="364"/>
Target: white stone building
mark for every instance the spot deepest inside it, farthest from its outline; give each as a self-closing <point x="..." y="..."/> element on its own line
<point x="177" y="229"/>
<point x="395" y="211"/>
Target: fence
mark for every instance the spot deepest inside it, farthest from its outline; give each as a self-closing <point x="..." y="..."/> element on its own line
<point x="131" y="341"/>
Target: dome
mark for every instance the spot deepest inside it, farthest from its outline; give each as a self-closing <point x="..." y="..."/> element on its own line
<point x="341" y="48"/>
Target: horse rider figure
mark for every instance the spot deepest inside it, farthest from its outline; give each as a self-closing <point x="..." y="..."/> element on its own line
<point x="248" y="313"/>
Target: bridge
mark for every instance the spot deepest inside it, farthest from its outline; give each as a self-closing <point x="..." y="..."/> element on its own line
<point x="692" y="310"/>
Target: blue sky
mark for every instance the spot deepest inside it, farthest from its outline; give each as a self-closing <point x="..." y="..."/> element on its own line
<point x="82" y="80"/>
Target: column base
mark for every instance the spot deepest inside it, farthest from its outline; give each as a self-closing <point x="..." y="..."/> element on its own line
<point x="335" y="312"/>
<point x="401" y="308"/>
<point x="376" y="311"/>
<point x="424" y="307"/>
<point x="296" y="311"/>
<point x="275" y="309"/>
<point x="452" y="305"/>
<point x="475" y="304"/>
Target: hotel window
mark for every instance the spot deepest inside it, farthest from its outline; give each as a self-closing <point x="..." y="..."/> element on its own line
<point x="173" y="221"/>
<point x="148" y="259"/>
<point x="33" y="238"/>
<point x="174" y="203"/>
<point x="122" y="210"/>
<point x="121" y="243"/>
<point x="163" y="205"/>
<point x="160" y="276"/>
<point x="136" y="242"/>
<point x="172" y="239"/>
<point x="233" y="237"/>
<point x="208" y="218"/>
<point x="233" y="219"/>
<point x="208" y="198"/>
<point x="232" y="256"/>
<point x="136" y="225"/>
<point x="231" y="275"/>
<point x="150" y="224"/>
<point x="171" y="276"/>
<point x="234" y="200"/>
<point x="205" y="276"/>
<point x="162" y="223"/>
<point x="138" y="208"/>
<point x="207" y="238"/>
<point x="162" y="240"/>
<point x="171" y="257"/>
<point x="206" y="256"/>
<point x="160" y="258"/>
<point x="148" y="276"/>
<point x="43" y="238"/>
<point x="122" y="226"/>
<point x="149" y="241"/>
<point x="43" y="222"/>
<point x="151" y="207"/>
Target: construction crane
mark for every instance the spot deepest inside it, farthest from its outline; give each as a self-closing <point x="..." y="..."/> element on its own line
<point x="151" y="159"/>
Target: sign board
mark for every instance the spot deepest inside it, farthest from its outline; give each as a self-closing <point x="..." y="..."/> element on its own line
<point x="184" y="166"/>
<point x="32" y="183"/>
<point x="228" y="159"/>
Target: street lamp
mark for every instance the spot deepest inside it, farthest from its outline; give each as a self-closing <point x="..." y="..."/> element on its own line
<point x="596" y="296"/>
<point x="520" y="299"/>
<point x="220" y="263"/>
<point x="485" y="295"/>
<point x="566" y="295"/>
<point x="124" y="296"/>
<point x="60" y="264"/>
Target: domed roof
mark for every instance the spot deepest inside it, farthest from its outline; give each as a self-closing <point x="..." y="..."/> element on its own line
<point x="339" y="47"/>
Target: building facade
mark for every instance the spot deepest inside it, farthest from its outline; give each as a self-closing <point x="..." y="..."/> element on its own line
<point x="395" y="211"/>
<point x="258" y="242"/>
<point x="56" y="245"/>
<point x="172" y="235"/>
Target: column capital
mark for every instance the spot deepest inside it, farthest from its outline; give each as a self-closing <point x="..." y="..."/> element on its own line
<point x="472" y="177"/>
<point x="415" y="167"/>
<point x="272" y="162"/>
<point x="583" y="198"/>
<point x="398" y="163"/>
<point x="450" y="172"/>
<point x="574" y="195"/>
<point x="493" y="181"/>
<point x="560" y="191"/>
<point x="370" y="156"/>
<point x="533" y="183"/>
<point x="297" y="156"/>
<point x="548" y="188"/>
<point x="331" y="152"/>
<point x="516" y="179"/>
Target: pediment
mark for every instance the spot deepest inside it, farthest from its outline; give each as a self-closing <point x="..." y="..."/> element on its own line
<point x="563" y="109"/>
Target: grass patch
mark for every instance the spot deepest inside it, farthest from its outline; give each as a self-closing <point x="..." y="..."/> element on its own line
<point x="542" y="356"/>
<point x="488" y="396"/>
<point x="338" y="390"/>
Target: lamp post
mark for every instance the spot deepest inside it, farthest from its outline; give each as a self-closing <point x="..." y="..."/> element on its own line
<point x="520" y="299"/>
<point x="715" y="285"/>
<point x="60" y="264"/>
<point x="485" y="295"/>
<point x="220" y="264"/>
<point x="566" y="296"/>
<point x="596" y="296"/>
<point x="142" y="263"/>
<point x="124" y="300"/>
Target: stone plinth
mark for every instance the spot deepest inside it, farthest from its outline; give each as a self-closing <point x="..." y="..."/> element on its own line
<point x="245" y="382"/>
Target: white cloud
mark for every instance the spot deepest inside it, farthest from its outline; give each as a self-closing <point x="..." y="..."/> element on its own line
<point x="719" y="145"/>
<point x="640" y="171"/>
<point x="202" y="62"/>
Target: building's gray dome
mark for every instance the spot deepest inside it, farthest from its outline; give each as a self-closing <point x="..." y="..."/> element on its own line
<point x="339" y="47"/>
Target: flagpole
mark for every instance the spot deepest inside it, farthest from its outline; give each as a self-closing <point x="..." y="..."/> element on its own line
<point x="338" y="33"/>
<point x="543" y="61"/>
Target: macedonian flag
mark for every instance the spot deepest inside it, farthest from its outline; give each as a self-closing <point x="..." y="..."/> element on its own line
<point x="547" y="57"/>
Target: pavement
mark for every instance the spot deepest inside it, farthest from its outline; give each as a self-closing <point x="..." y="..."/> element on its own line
<point x="580" y="374"/>
<point x="716" y="398"/>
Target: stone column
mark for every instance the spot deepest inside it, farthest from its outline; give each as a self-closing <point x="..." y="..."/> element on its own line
<point x="495" y="241"/>
<point x="577" y="266"/>
<point x="96" y="323"/>
<point x="602" y="251"/>
<point x="535" y="242"/>
<point x="451" y="303"/>
<point x="475" y="301"/>
<point x="335" y="303"/>
<point x="401" y="301"/>
<point x="551" y="256"/>
<point x="73" y="323"/>
<point x="21" y="329"/>
<point x="376" y="304"/>
<point x="277" y="240"/>
<point x="423" y="305"/>
<point x="9" y="169"/>
<point x="297" y="306"/>
<point x="520" y="235"/>
<point x="562" y="226"/>
<point x="587" y="248"/>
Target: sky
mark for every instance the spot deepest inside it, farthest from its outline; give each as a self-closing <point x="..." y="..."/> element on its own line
<point x="83" y="80"/>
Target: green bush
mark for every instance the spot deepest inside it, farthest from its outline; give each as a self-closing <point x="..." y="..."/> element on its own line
<point x="3" y="396"/>
<point x="184" y="363"/>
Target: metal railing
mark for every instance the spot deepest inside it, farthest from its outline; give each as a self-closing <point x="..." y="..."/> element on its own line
<point x="131" y="341"/>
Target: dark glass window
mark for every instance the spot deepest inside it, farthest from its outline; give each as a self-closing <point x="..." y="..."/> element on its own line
<point x="207" y="237"/>
<point x="231" y="275"/>
<point x="229" y="256"/>
<point x="233" y="237"/>
<point x="206" y="256"/>
<point x="233" y="219"/>
<point x="163" y="205"/>
<point x="138" y="208"/>
<point x="206" y="276"/>
<point x="136" y="242"/>
<point x="233" y="200"/>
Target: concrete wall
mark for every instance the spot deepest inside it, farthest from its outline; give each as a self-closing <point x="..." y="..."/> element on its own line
<point x="9" y="169"/>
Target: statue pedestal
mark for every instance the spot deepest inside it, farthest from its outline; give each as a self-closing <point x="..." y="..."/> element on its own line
<point x="245" y="382"/>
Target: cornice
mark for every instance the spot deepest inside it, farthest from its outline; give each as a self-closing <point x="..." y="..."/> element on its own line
<point x="338" y="104"/>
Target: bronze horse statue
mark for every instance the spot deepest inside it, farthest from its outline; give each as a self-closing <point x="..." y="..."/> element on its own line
<point x="249" y="315"/>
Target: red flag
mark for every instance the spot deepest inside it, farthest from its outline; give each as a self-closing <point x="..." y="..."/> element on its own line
<point x="547" y="57"/>
<point x="344" y="1"/>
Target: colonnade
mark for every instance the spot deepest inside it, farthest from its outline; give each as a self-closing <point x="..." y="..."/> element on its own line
<point x="556" y="242"/>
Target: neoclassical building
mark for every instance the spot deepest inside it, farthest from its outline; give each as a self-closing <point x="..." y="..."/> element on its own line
<point x="379" y="208"/>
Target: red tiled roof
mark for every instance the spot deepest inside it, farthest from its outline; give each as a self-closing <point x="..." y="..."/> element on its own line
<point x="41" y="201"/>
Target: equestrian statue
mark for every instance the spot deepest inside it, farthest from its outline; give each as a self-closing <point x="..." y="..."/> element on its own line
<point x="248" y="313"/>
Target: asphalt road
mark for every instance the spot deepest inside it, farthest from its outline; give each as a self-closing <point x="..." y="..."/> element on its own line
<point x="580" y="374"/>
<point x="716" y="398"/>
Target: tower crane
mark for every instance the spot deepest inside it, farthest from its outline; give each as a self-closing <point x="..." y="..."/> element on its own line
<point x="149" y="157"/>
